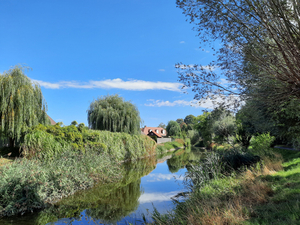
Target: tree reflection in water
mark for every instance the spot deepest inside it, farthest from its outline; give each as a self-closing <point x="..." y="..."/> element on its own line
<point x="108" y="203"/>
<point x="181" y="158"/>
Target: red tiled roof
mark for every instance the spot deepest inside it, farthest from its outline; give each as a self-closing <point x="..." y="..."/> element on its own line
<point x="51" y="120"/>
<point x="146" y="130"/>
<point x="158" y="135"/>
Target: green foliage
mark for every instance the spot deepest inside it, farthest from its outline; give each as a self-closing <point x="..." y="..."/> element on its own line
<point x="203" y="125"/>
<point x="173" y="128"/>
<point x="184" y="127"/>
<point x="224" y="126"/>
<point x="108" y="202"/>
<point x="179" y="121"/>
<point x="74" y="123"/>
<point x="261" y="144"/>
<point x="194" y="136"/>
<point x="154" y="138"/>
<point x="43" y="145"/>
<point x="27" y="185"/>
<point x="22" y="104"/>
<point x="162" y="125"/>
<point x="189" y="119"/>
<point x="48" y="141"/>
<point x="113" y="114"/>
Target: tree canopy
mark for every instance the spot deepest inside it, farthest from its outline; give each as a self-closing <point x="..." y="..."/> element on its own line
<point x="260" y="46"/>
<point x="162" y="125"/>
<point x="173" y="128"/>
<point x="189" y="119"/>
<point x="114" y="114"/>
<point x="22" y="104"/>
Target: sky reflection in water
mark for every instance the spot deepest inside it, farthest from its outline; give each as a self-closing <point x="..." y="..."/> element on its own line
<point x="146" y="183"/>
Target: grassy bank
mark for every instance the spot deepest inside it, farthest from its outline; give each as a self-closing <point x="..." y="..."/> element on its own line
<point x="169" y="146"/>
<point x="267" y="192"/>
<point x="108" y="203"/>
<point x="27" y="185"/>
<point x="48" y="141"/>
<point x="58" y="161"/>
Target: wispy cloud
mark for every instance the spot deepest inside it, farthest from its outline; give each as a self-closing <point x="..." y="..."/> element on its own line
<point x="162" y="70"/>
<point x="157" y="197"/>
<point x="155" y="177"/>
<point x="208" y="104"/>
<point x="132" y="85"/>
<point x="182" y="42"/>
<point x="204" y="103"/>
<point x="198" y="67"/>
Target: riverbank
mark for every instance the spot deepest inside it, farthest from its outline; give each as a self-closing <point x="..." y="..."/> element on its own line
<point x="29" y="185"/>
<point x="52" y="169"/>
<point x="265" y="193"/>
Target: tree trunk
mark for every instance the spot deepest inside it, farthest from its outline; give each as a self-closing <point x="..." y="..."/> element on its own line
<point x="11" y="142"/>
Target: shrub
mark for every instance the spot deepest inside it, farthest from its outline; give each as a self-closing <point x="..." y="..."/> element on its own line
<point x="261" y="144"/>
<point x="48" y="141"/>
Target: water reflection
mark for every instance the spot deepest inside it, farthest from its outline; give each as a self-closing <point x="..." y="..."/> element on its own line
<point x="134" y="194"/>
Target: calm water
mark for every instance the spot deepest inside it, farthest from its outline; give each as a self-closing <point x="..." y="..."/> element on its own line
<point x="146" y="183"/>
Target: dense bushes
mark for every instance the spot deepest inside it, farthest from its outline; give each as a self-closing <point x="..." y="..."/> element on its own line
<point x="48" y="141"/>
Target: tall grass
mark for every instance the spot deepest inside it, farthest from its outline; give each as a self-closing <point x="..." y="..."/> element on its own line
<point x="27" y="185"/>
<point x="227" y="187"/>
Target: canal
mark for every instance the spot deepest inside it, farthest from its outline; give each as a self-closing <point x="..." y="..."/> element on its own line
<point x="147" y="183"/>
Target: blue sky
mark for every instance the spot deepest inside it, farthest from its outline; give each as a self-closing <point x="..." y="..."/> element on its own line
<point x="80" y="50"/>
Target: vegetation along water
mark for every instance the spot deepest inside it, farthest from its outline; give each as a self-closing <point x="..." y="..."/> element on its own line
<point x="109" y="172"/>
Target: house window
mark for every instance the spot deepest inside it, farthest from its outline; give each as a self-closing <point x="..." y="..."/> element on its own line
<point x="150" y="130"/>
<point x="163" y="131"/>
<point x="157" y="131"/>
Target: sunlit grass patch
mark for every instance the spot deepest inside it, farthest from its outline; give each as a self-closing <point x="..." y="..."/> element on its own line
<point x="283" y="207"/>
<point x="265" y="193"/>
<point x="5" y="161"/>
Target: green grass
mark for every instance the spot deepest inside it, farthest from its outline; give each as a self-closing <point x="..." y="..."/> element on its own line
<point x="178" y="143"/>
<point x="258" y="195"/>
<point x="5" y="161"/>
<point x="283" y="206"/>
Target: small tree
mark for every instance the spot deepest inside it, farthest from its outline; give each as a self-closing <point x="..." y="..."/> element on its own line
<point x="179" y="121"/>
<point x="22" y="104"/>
<point x="74" y="123"/>
<point x="204" y="126"/>
<point x="162" y="125"/>
<point x="224" y="126"/>
<point x="173" y="128"/>
<point x="189" y="119"/>
<point x="114" y="114"/>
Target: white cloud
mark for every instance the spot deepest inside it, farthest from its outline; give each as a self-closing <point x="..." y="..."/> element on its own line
<point x="207" y="104"/>
<point x="182" y="42"/>
<point x="157" y="197"/>
<point x="160" y="103"/>
<point x="162" y="70"/>
<point x="203" y="103"/>
<point x="162" y="177"/>
<point x="207" y="67"/>
<point x="132" y="85"/>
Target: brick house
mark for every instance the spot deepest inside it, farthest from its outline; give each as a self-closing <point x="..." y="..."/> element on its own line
<point x="158" y="131"/>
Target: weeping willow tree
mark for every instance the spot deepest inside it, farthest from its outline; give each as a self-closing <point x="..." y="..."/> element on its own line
<point x="22" y="104"/>
<point x="114" y="114"/>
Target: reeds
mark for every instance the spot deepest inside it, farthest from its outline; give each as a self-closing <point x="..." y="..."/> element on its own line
<point x="27" y="185"/>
